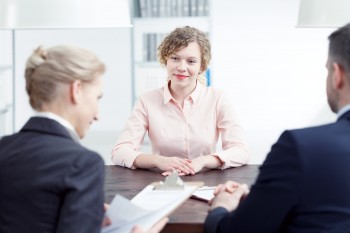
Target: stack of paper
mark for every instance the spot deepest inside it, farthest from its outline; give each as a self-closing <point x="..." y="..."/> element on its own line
<point x="145" y="209"/>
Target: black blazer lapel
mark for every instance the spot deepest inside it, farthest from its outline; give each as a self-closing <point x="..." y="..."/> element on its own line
<point x="45" y="125"/>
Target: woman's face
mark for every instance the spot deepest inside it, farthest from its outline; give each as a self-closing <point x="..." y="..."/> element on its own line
<point x="91" y="93"/>
<point x="184" y="66"/>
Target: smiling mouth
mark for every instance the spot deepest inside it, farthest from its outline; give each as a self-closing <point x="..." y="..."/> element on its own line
<point x="181" y="77"/>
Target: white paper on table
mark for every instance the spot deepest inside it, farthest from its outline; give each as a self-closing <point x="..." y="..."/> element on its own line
<point x="145" y="209"/>
<point x="205" y="193"/>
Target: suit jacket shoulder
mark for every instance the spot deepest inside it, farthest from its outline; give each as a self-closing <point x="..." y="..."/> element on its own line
<point x="49" y="174"/>
<point x="300" y="187"/>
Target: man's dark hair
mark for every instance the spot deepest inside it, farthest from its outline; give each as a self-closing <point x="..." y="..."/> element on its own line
<point x="339" y="47"/>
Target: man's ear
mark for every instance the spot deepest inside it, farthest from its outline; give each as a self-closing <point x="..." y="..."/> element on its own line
<point x="339" y="76"/>
<point x="75" y="91"/>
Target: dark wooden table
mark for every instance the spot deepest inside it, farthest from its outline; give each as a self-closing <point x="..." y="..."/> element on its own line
<point x="190" y="216"/>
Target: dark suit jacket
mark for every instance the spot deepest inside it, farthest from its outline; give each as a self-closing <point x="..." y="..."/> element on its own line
<point x="303" y="186"/>
<point x="48" y="182"/>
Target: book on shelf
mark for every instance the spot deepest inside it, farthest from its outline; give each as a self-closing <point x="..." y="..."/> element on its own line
<point x="200" y="7"/>
<point x="150" y="44"/>
<point x="142" y="5"/>
<point x="185" y="8"/>
<point x="155" y="8"/>
<point x="208" y="77"/>
<point x="172" y="8"/>
<point x="206" y="8"/>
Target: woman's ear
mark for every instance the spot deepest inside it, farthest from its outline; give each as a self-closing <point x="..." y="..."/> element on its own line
<point x="76" y="91"/>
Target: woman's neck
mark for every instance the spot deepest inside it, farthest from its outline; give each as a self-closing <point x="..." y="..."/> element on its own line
<point x="181" y="93"/>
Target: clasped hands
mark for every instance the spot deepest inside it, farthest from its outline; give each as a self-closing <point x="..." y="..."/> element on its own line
<point x="187" y="166"/>
<point x="181" y="166"/>
<point x="228" y="195"/>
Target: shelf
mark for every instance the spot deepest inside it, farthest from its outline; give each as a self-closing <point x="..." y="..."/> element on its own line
<point x="167" y="24"/>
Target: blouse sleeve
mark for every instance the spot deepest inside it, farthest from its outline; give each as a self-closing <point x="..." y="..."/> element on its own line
<point x="131" y="139"/>
<point x="234" y="149"/>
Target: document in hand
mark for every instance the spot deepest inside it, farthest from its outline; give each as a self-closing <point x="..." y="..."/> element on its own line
<point x="146" y="208"/>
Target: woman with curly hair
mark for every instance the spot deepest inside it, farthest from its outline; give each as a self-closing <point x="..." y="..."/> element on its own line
<point x="185" y="118"/>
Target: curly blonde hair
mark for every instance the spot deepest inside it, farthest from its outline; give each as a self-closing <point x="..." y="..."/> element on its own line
<point x="47" y="69"/>
<point x="180" y="38"/>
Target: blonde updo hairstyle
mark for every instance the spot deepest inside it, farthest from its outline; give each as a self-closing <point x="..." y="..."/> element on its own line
<point x="47" y="69"/>
<point x="180" y="38"/>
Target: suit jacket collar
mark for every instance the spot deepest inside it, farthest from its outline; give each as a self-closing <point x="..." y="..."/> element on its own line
<point x="345" y="116"/>
<point x="47" y="126"/>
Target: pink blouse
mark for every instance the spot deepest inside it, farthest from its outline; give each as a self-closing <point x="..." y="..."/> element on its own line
<point x="187" y="132"/>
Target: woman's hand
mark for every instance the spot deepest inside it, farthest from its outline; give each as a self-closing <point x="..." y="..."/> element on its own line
<point x="164" y="163"/>
<point x="106" y="221"/>
<point x="170" y="164"/>
<point x="205" y="161"/>
<point x="198" y="163"/>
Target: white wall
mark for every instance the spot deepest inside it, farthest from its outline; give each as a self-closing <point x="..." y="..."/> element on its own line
<point x="112" y="46"/>
<point x="274" y="72"/>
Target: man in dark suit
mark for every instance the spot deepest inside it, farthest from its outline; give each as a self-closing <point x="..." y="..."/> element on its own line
<point x="304" y="183"/>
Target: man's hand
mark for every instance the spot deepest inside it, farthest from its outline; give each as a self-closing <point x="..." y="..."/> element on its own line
<point x="228" y="196"/>
<point x="229" y="186"/>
